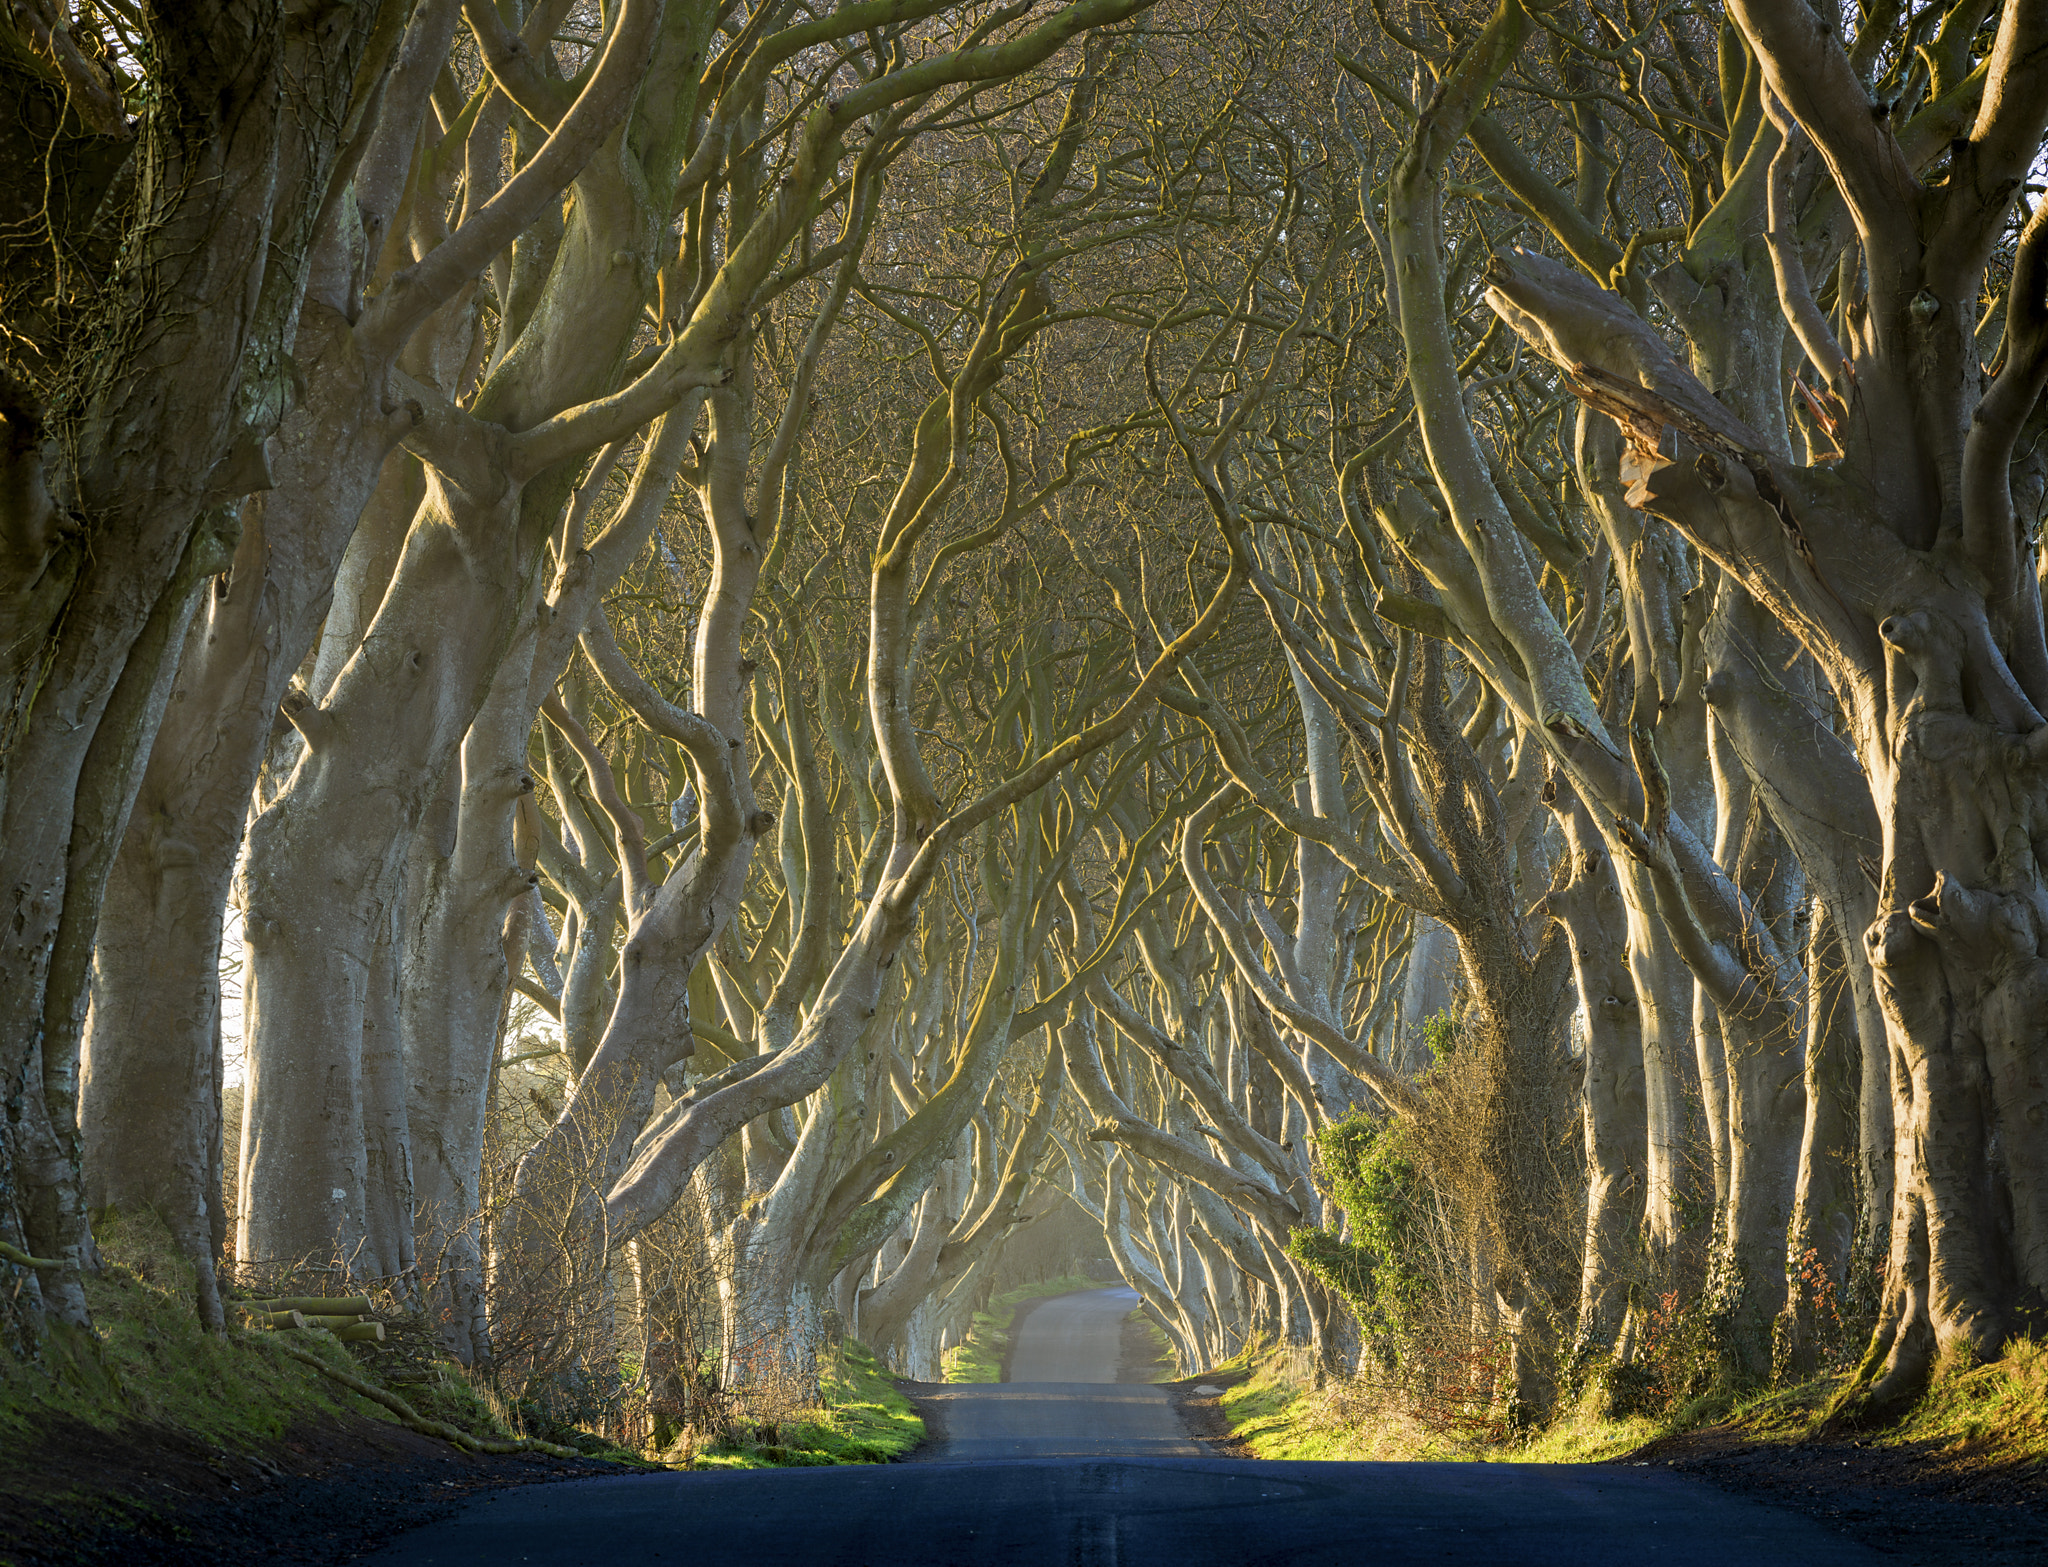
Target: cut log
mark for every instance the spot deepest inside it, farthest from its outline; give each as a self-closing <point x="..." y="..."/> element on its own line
<point x="314" y="1305"/>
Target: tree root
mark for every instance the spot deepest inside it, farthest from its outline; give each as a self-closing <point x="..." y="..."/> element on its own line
<point x="419" y="1422"/>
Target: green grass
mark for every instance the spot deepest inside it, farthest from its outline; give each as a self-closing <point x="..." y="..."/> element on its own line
<point x="147" y="1371"/>
<point x="1278" y="1412"/>
<point x="1997" y="1412"/>
<point x="979" y="1357"/>
<point x="1993" y="1416"/>
<point x="865" y="1420"/>
<point x="147" y="1362"/>
<point x="147" y="1366"/>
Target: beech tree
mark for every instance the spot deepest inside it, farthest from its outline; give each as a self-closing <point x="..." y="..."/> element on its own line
<point x="170" y="172"/>
<point x="802" y="639"/>
<point x="1897" y="560"/>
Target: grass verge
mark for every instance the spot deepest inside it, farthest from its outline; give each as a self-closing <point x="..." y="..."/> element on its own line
<point x="979" y="1356"/>
<point x="148" y="1363"/>
<point x="865" y="1419"/>
<point x="1276" y="1411"/>
<point x="1146" y="1346"/>
<point x="1992" y="1417"/>
<point x="116" y="1431"/>
<point x="147" y="1367"/>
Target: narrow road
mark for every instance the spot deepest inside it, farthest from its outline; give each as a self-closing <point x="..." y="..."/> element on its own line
<point x="1062" y="1399"/>
<point x="1072" y="1338"/>
<point x="1065" y="1467"/>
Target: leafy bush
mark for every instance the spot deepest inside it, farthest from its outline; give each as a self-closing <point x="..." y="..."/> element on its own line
<point x="1675" y="1359"/>
<point x="1441" y="1033"/>
<point x="1369" y="1171"/>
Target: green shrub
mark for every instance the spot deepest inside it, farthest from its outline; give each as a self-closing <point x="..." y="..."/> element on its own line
<point x="1441" y="1033"/>
<point x="1367" y="1169"/>
<point x="864" y="1419"/>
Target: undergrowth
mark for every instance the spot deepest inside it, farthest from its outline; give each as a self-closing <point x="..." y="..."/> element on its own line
<point x="1278" y="1412"/>
<point x="147" y="1362"/>
<point x="865" y="1419"/>
<point x="1988" y="1416"/>
<point x="979" y="1356"/>
<point x="147" y="1365"/>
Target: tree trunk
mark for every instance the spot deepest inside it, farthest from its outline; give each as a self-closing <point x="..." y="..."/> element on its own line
<point x="325" y="872"/>
<point x="1425" y="990"/>
<point x="1825" y="1212"/>
<point x="1615" y="1120"/>
<point x="388" y="1250"/>
<point x="155" y="1002"/>
<point x="459" y="958"/>
<point x="161" y="432"/>
<point x="1764" y="1074"/>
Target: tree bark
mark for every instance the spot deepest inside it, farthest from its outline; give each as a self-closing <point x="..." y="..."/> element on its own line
<point x="1616" y="1125"/>
<point x="162" y="431"/>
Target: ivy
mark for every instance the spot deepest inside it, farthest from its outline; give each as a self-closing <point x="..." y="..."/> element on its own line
<point x="1368" y="1170"/>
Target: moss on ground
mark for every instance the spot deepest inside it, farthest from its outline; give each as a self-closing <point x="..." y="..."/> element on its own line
<point x="148" y="1362"/>
<point x="1998" y="1412"/>
<point x="1990" y="1416"/>
<point x="147" y="1368"/>
<point x="865" y="1420"/>
<point x="979" y="1357"/>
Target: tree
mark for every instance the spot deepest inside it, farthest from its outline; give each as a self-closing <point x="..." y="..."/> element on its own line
<point x="169" y="172"/>
<point x="1904" y="568"/>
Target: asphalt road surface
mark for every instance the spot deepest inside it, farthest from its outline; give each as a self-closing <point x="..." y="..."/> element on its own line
<point x="1072" y="1338"/>
<point x="1063" y="1399"/>
<point x="1071" y="1469"/>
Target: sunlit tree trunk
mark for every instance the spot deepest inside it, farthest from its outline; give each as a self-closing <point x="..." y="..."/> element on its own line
<point x="1905" y="573"/>
<point x="1616" y="1126"/>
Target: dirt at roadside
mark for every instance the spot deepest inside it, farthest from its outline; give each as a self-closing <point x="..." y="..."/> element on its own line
<point x="1199" y="1403"/>
<point x="330" y="1491"/>
<point x="932" y="1411"/>
<point x="1919" y="1506"/>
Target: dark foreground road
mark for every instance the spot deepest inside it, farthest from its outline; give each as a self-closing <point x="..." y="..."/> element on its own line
<point x="1073" y="1470"/>
<point x="1130" y="1513"/>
